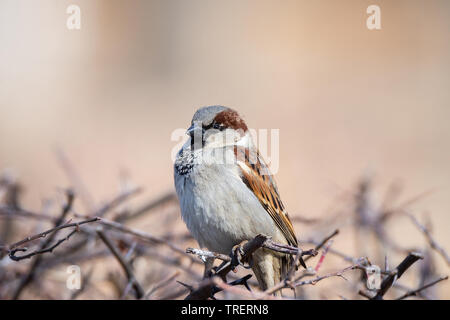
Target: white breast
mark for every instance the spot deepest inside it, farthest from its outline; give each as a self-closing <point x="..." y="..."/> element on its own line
<point x="219" y="209"/>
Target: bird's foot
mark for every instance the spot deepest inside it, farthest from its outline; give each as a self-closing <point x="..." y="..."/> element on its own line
<point x="237" y="254"/>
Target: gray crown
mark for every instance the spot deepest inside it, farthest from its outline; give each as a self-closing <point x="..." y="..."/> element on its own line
<point x="206" y="115"/>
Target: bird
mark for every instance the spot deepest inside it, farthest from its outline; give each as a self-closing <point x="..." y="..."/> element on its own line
<point x="227" y="193"/>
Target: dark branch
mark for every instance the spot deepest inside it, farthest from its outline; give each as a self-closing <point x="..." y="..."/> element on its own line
<point x="243" y="253"/>
<point x="20" y="243"/>
<point x="396" y="274"/>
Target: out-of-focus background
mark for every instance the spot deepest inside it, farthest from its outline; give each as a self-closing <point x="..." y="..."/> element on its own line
<point x="348" y="101"/>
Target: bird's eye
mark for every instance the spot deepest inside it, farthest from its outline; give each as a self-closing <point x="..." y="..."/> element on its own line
<point x="216" y="125"/>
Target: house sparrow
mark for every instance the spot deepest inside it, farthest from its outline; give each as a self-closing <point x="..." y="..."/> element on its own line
<point x="227" y="194"/>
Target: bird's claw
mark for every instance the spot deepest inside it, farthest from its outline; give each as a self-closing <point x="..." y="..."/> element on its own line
<point x="237" y="254"/>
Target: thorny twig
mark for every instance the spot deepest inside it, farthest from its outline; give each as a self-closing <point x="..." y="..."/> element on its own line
<point x="295" y="282"/>
<point x="124" y="264"/>
<point x="245" y="252"/>
<point x="15" y="247"/>
<point x="12" y="253"/>
<point x="260" y="241"/>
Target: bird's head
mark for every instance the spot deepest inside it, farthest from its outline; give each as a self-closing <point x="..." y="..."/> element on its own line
<point x="216" y="126"/>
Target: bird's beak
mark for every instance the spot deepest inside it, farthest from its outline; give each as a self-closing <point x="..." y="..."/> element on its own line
<point x="191" y="129"/>
<point x="195" y="129"/>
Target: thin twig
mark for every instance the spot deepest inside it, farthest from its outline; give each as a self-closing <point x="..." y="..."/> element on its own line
<point x="433" y="244"/>
<point x="162" y="284"/>
<point x="151" y="205"/>
<point x="324" y="241"/>
<point x="50" y="231"/>
<point x="417" y="291"/>
<point x="29" y="277"/>
<point x="324" y="253"/>
<point x="12" y="253"/>
<point x="296" y="281"/>
<point x="125" y="266"/>
<point x="256" y="294"/>
<point x="142" y="235"/>
<point x="329" y="275"/>
<point x="117" y="200"/>
<point x="19" y="212"/>
<point x="208" y="254"/>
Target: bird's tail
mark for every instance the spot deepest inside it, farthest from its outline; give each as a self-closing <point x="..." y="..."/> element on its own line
<point x="270" y="268"/>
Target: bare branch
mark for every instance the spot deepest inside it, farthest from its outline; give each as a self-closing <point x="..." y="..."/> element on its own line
<point x="40" y="251"/>
<point x="296" y="281"/>
<point x="162" y="284"/>
<point x="417" y="291"/>
<point x="396" y="274"/>
<point x="142" y="235"/>
<point x="260" y="241"/>
<point x="208" y="254"/>
<point x="151" y="205"/>
<point x="28" y="278"/>
<point x="324" y="253"/>
<point x="14" y="212"/>
<point x="125" y="266"/>
<point x="329" y="275"/>
<point x="322" y="243"/>
<point x="433" y="244"/>
<point x="117" y="200"/>
<point x="245" y="251"/>
<point x="20" y="243"/>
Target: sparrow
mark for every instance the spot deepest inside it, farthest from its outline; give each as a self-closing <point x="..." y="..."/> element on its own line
<point x="227" y="194"/>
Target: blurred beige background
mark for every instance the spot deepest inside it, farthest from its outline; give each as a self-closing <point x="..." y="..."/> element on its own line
<point x="346" y="99"/>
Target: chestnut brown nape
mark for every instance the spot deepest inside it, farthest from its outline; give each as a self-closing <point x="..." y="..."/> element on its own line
<point x="231" y="119"/>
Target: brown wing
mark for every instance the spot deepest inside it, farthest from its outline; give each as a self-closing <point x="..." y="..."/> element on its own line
<point x="257" y="177"/>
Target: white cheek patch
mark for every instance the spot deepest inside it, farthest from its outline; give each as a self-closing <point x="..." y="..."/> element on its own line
<point x="222" y="138"/>
<point x="245" y="141"/>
